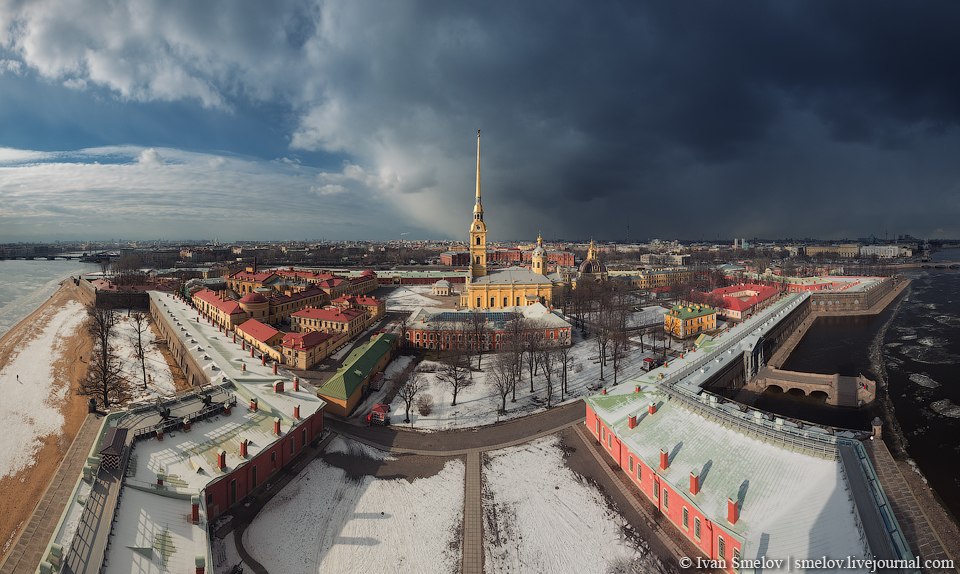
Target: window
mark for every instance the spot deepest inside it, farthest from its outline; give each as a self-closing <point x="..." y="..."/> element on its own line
<point x="273" y="459"/>
<point x="639" y="471"/>
<point x="492" y="304"/>
<point x="303" y="438"/>
<point x="721" y="547"/>
<point x="736" y="555"/>
<point x="696" y="528"/>
<point x="603" y="433"/>
<point x="478" y="243"/>
<point x="505" y="303"/>
<point x="610" y="441"/>
<point x="253" y="477"/>
<point x="598" y="426"/>
<point x="686" y="518"/>
<point x="631" y="464"/>
<point x="666" y="498"/>
<point x="656" y="490"/>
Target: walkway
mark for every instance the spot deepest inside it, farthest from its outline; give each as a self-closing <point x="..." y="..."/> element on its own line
<point x="472" y="558"/>
<point x="509" y="433"/>
<point x="925" y="524"/>
<point x="28" y="548"/>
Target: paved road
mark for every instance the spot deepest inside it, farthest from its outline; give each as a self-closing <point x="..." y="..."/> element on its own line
<point x="461" y="441"/>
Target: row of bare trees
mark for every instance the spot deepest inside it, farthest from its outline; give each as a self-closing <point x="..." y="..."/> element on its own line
<point x="104" y="381"/>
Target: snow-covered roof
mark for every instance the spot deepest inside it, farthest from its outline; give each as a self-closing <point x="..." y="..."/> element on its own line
<point x="152" y="536"/>
<point x="511" y="276"/>
<point x="192" y="455"/>
<point x="792" y="504"/>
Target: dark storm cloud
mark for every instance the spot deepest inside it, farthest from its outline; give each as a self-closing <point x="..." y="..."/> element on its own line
<point x="677" y="119"/>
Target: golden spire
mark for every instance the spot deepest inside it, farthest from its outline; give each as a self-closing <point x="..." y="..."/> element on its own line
<point x="590" y="251"/>
<point x="539" y="239"/>
<point x="478" y="208"/>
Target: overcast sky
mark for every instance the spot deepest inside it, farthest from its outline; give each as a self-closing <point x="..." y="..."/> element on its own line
<point x="357" y="119"/>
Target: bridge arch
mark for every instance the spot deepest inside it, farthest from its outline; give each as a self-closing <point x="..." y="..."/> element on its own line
<point x="796" y="392"/>
<point x="819" y="396"/>
<point x="774" y="389"/>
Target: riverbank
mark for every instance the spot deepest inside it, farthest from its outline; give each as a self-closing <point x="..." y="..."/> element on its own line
<point x="40" y="370"/>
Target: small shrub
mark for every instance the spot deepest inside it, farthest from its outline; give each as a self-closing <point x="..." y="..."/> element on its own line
<point x="425" y="405"/>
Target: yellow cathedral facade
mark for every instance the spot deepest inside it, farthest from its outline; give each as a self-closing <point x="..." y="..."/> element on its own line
<point x="509" y="287"/>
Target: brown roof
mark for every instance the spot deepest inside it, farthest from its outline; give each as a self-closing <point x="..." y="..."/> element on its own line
<point x="114" y="441"/>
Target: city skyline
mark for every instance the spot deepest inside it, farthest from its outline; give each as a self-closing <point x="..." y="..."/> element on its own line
<point x="344" y="121"/>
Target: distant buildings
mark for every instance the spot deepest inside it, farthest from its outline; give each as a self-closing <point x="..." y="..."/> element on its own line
<point x="442" y="330"/>
<point x="739" y="301"/>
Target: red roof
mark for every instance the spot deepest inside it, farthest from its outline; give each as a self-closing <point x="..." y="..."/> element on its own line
<point x="329" y="314"/>
<point x="305" y="294"/>
<point x="257" y="277"/>
<point x="228" y="306"/>
<point x="303" y="341"/>
<point x="330" y="283"/>
<point x="741" y="304"/>
<point x="259" y="331"/>
<point x="253" y="298"/>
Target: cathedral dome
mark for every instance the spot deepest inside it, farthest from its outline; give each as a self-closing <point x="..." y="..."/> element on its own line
<point x="592" y="266"/>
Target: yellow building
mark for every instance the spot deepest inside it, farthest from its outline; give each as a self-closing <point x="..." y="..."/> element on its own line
<point x="510" y="287"/>
<point x="684" y="321"/>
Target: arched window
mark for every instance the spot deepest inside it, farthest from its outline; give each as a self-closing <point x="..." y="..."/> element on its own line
<point x="477" y="260"/>
<point x="478" y="240"/>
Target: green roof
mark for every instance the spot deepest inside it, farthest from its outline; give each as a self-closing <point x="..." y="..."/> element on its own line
<point x="691" y="311"/>
<point x="358" y="366"/>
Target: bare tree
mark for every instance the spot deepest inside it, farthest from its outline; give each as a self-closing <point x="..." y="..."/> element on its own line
<point x="477" y="325"/>
<point x="617" y="319"/>
<point x="515" y="332"/>
<point x="503" y="377"/>
<point x="605" y="324"/>
<point x="409" y="390"/>
<point x="455" y="371"/>
<point x="104" y="381"/>
<point x="403" y="324"/>
<point x="140" y="325"/>
<point x="565" y="356"/>
<point x="532" y="344"/>
<point x="550" y="365"/>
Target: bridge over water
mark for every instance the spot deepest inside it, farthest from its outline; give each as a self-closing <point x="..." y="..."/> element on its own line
<point x="837" y="390"/>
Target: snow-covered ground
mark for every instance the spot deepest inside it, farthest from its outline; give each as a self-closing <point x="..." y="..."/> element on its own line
<point x="478" y="403"/>
<point x="390" y="375"/>
<point x="542" y="517"/>
<point x="411" y="297"/>
<point x="327" y="521"/>
<point x="32" y="393"/>
<point x="124" y="343"/>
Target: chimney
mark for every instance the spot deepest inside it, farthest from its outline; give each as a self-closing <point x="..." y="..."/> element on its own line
<point x="652" y="408"/>
<point x="694" y="482"/>
<point x="733" y="512"/>
<point x="263" y="359"/>
<point x="243" y="367"/>
<point x="274" y="367"/>
<point x="636" y="389"/>
<point x="251" y="351"/>
<point x="234" y="337"/>
<point x="227" y="407"/>
<point x="201" y="563"/>
<point x="159" y="479"/>
<point x="195" y="509"/>
<point x="632" y="421"/>
<point x="243" y="344"/>
<point x="254" y="405"/>
<point x="296" y="384"/>
<point x="276" y="426"/>
<point x="159" y="434"/>
<point x="243" y="448"/>
<point x="222" y="460"/>
<point x="603" y="392"/>
<point x="278" y="386"/>
<point x="296" y="412"/>
<point x="664" y="460"/>
<point x="186" y="424"/>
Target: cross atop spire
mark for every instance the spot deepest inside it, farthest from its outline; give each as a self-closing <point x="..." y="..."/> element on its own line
<point x="539" y="239"/>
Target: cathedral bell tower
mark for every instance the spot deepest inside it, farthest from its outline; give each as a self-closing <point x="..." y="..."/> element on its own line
<point x="478" y="230"/>
<point x="538" y="260"/>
